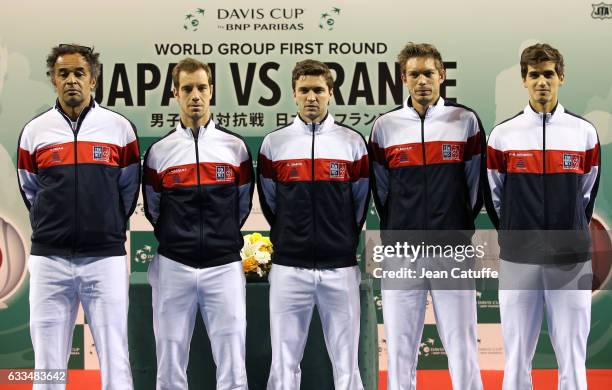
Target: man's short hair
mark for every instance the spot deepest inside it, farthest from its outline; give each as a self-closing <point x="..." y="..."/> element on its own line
<point x="312" y="68"/>
<point x="541" y="52"/>
<point x="189" y="65"/>
<point x="419" y="50"/>
<point x="91" y="57"/>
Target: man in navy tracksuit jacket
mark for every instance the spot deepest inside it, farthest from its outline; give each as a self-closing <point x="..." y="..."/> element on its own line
<point x="313" y="187"/>
<point x="543" y="174"/>
<point x="197" y="187"/>
<point x="79" y="171"/>
<point x="426" y="169"/>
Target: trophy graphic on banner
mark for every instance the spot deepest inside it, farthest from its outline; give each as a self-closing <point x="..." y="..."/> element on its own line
<point x="12" y="261"/>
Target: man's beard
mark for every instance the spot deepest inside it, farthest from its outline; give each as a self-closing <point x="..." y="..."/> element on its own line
<point x="425" y="102"/>
<point x="74" y="101"/>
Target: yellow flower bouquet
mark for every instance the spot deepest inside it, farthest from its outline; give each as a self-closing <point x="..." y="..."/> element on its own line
<point x="256" y="255"/>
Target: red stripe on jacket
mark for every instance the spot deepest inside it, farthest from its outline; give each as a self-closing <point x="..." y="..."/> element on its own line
<point x="27" y="161"/>
<point x="210" y="173"/>
<point x="532" y="161"/>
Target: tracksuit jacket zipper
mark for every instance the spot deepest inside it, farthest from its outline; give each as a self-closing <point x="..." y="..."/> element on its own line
<point x="75" y="132"/>
<point x="544" y="168"/>
<point x="312" y="195"/>
<point x="195" y="140"/>
<point x="424" y="167"/>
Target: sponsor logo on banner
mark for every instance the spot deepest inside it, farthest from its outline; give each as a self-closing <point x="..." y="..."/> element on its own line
<point x="143" y="247"/>
<point x="431" y="352"/>
<point x="450" y="152"/>
<point x="337" y="170"/>
<point x="260" y="19"/>
<point x="601" y="11"/>
<point x="144" y="254"/>
<point x="327" y="20"/>
<point x="192" y="21"/>
<point x="101" y="153"/>
<point x="427" y="347"/>
<point x="571" y="161"/>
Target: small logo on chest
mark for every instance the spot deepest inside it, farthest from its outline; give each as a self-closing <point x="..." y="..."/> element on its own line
<point x="337" y="170"/>
<point x="176" y="174"/>
<point x="101" y="153"/>
<point x="571" y="161"/>
<point x="451" y="152"/>
<point x="223" y="173"/>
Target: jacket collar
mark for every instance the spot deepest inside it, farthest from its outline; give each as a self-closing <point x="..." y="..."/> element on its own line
<point x="319" y="127"/>
<point x="203" y="129"/>
<point x="58" y="107"/>
<point x="550" y="116"/>
<point x="431" y="110"/>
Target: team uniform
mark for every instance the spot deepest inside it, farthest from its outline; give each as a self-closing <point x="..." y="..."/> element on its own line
<point x="198" y="193"/>
<point x="79" y="181"/>
<point x="314" y="189"/>
<point x="426" y="173"/>
<point x="543" y="175"/>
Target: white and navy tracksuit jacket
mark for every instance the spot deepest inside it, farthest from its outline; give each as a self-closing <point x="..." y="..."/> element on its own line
<point x="426" y="170"/>
<point x="79" y="181"/>
<point x="314" y="189"/>
<point x="198" y="194"/>
<point x="543" y="174"/>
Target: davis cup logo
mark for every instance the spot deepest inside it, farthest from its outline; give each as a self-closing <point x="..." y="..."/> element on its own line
<point x="13" y="257"/>
<point x="144" y="255"/>
<point x="571" y="161"/>
<point x="101" y="153"/>
<point x="426" y="348"/>
<point x="450" y="152"/>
